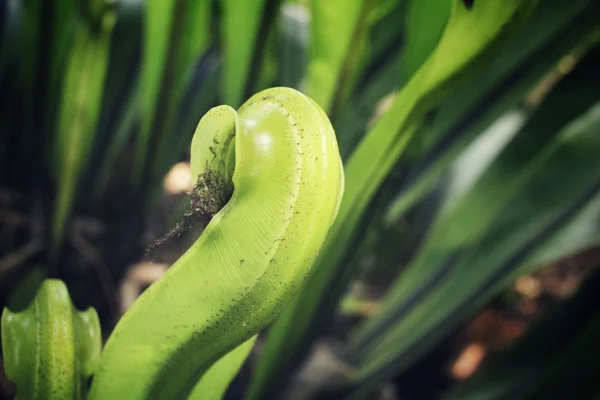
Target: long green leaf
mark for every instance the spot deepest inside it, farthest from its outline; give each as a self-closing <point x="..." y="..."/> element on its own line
<point x="63" y="28"/>
<point x="425" y="22"/>
<point x="176" y="34"/>
<point x="380" y="72"/>
<point x="241" y="24"/>
<point x="79" y="109"/>
<point x="120" y="102"/>
<point x="201" y="95"/>
<point x="551" y="32"/>
<point x="336" y="39"/>
<point x="562" y="105"/>
<point x="216" y="380"/>
<point x="394" y="246"/>
<point x="422" y="25"/>
<point x="549" y="358"/>
<point x="157" y="30"/>
<point x="481" y="237"/>
<point x="468" y="34"/>
<point x="30" y="24"/>
<point x="293" y="34"/>
<point x="193" y="39"/>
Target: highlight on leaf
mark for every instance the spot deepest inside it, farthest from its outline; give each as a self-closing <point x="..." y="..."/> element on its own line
<point x="280" y="154"/>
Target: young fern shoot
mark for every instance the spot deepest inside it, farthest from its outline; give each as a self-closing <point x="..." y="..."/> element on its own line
<point x="278" y="156"/>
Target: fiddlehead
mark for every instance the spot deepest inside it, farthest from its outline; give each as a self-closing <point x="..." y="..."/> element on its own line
<point x="50" y="348"/>
<point x="279" y="156"/>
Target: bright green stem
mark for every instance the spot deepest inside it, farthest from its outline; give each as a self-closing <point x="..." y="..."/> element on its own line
<point x="253" y="256"/>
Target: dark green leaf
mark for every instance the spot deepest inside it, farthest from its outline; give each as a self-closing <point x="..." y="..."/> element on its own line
<point x="485" y="234"/>
<point x="79" y="108"/>
<point x="556" y="359"/>
<point x="292" y="333"/>
<point x="336" y="40"/>
<point x="551" y="33"/>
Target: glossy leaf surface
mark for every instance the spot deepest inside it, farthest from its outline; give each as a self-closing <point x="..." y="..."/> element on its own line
<point x="50" y="348"/>
<point x="280" y="156"/>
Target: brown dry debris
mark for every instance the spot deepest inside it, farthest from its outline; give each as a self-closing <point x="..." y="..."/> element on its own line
<point x="208" y="196"/>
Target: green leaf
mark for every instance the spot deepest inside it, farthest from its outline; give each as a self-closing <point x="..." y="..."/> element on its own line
<point x="379" y="73"/>
<point x="293" y="35"/>
<point x="158" y="21"/>
<point x="201" y="95"/>
<point x="193" y="33"/>
<point x="176" y="35"/>
<point x="425" y="22"/>
<point x="552" y="32"/>
<point x="63" y="27"/>
<point x="468" y="34"/>
<point x="280" y="157"/>
<point x="120" y="101"/>
<point x="79" y="108"/>
<point x="556" y="358"/>
<point x="388" y="69"/>
<point x="336" y="39"/>
<point x="50" y="348"/>
<point x="488" y="232"/>
<point x="241" y="25"/>
<point x="216" y="380"/>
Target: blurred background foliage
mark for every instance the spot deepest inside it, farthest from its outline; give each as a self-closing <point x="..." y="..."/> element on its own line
<point x="470" y="133"/>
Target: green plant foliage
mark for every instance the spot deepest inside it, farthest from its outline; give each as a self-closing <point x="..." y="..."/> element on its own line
<point x="119" y="105"/>
<point x="50" y="348"/>
<point x="431" y="13"/>
<point x="499" y="86"/>
<point x="335" y="43"/>
<point x="293" y="33"/>
<point x="158" y="24"/>
<point x="217" y="379"/>
<point x="192" y="29"/>
<point x="448" y="265"/>
<point x="249" y="17"/>
<point x="280" y="158"/>
<point x="467" y="34"/>
<point x="79" y="110"/>
<point x="467" y="132"/>
<point x="557" y="358"/>
<point x="64" y="25"/>
<point x="176" y="34"/>
<point x="389" y="70"/>
<point x="538" y="151"/>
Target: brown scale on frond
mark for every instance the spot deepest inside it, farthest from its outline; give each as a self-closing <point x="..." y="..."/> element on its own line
<point x="208" y="196"/>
